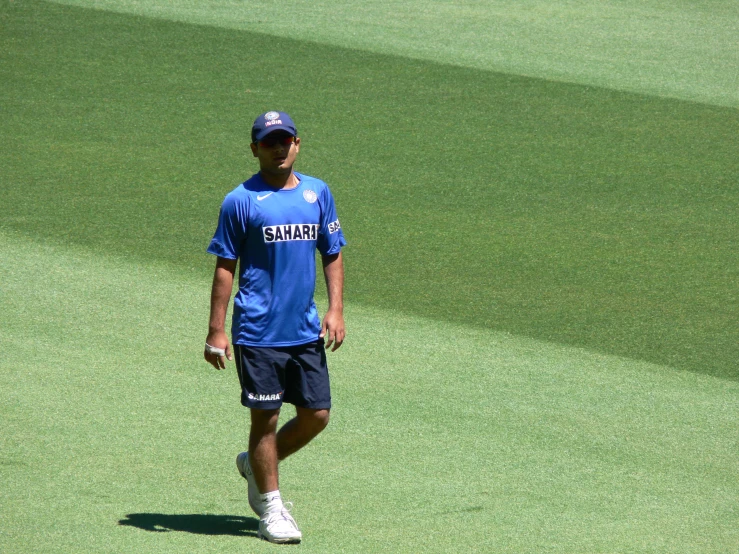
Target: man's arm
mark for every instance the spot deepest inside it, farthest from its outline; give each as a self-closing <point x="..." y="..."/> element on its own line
<point x="333" y="322"/>
<point x="220" y="294"/>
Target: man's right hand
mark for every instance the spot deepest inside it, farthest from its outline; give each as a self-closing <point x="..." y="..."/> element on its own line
<point x="217" y="341"/>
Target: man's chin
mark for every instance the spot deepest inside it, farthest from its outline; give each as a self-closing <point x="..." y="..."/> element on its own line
<point x="279" y="170"/>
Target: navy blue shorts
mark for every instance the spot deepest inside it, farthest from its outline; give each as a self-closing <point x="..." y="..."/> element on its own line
<point x="294" y="374"/>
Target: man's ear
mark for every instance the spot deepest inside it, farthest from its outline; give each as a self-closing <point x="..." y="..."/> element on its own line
<point x="254" y="148"/>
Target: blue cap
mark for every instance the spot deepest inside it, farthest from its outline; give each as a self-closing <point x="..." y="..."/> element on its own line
<point x="272" y="121"/>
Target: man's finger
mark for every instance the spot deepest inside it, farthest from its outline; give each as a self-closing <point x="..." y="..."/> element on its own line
<point x="339" y="341"/>
<point x="212" y="360"/>
<point x="330" y="336"/>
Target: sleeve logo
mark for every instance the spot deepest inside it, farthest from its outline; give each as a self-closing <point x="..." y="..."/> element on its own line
<point x="334" y="226"/>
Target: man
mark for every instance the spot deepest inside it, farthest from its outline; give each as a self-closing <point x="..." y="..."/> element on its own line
<point x="272" y="225"/>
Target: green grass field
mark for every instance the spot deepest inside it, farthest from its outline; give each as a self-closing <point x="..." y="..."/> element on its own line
<point x="542" y="273"/>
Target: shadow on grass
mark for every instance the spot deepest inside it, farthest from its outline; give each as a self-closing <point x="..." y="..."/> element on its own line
<point x="202" y="524"/>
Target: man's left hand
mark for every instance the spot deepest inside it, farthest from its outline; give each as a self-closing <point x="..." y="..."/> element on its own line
<point x="333" y="329"/>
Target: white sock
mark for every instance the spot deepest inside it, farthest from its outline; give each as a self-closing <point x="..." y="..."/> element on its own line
<point x="272" y="501"/>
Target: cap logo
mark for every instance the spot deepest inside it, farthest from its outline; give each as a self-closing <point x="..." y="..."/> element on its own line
<point x="310" y="196"/>
<point x="271" y="116"/>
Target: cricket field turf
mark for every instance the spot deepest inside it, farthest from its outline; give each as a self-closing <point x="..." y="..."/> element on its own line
<point x="540" y="201"/>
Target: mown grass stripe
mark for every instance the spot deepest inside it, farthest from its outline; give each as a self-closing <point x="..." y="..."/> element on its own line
<point x="674" y="49"/>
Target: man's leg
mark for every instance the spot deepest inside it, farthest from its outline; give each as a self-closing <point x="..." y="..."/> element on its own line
<point x="275" y="522"/>
<point x="267" y="447"/>
<point x="300" y="430"/>
<point x="263" y="449"/>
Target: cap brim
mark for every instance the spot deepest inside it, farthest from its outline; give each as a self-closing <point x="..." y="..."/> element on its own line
<point x="273" y="128"/>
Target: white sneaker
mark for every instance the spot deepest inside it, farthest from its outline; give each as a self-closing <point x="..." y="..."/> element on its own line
<point x="242" y="464"/>
<point x="279" y="526"/>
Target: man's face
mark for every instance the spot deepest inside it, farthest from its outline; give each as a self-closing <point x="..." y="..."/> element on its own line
<point x="276" y="152"/>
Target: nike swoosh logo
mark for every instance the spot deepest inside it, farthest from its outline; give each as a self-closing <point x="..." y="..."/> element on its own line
<point x="260" y="198"/>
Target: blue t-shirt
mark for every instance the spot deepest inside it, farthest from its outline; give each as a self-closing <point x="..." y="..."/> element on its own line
<point x="274" y="234"/>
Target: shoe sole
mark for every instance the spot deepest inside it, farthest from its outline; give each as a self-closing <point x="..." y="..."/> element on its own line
<point x="278" y="541"/>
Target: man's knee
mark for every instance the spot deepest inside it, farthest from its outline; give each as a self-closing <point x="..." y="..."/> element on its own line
<point x="314" y="420"/>
<point x="322" y="418"/>
<point x="264" y="421"/>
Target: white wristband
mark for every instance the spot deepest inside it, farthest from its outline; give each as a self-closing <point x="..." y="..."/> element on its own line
<point x="213" y="350"/>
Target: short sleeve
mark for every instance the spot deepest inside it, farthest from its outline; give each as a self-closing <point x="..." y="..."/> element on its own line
<point x="330" y="236"/>
<point x="232" y="227"/>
